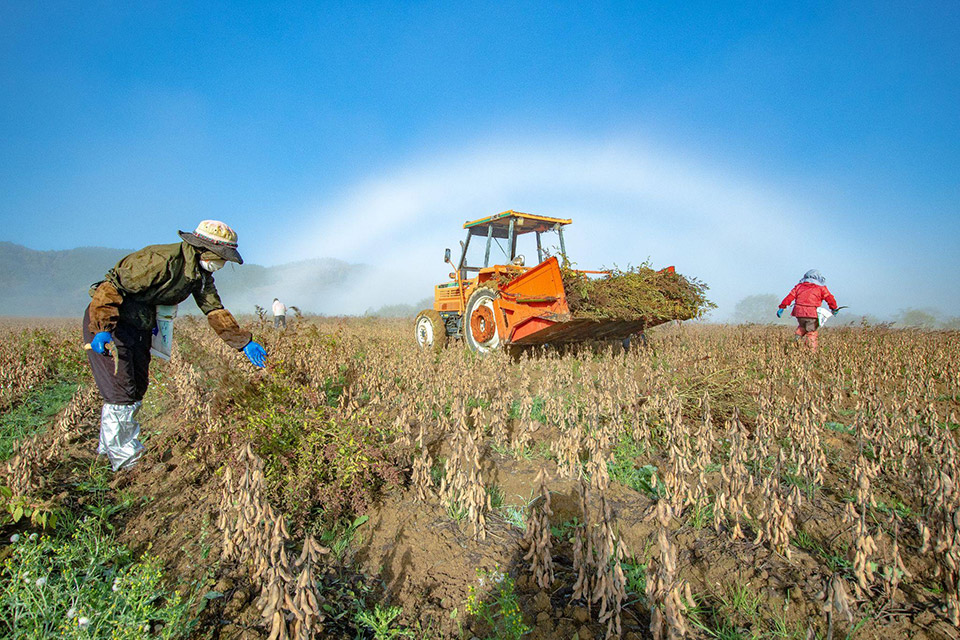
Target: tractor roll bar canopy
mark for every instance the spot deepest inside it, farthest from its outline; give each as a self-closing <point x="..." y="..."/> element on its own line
<point x="522" y="223"/>
<point x="508" y="225"/>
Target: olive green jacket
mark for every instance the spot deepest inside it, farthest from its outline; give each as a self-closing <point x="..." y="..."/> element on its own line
<point x="160" y="274"/>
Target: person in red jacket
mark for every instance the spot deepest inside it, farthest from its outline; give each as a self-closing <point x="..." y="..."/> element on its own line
<point x="809" y="293"/>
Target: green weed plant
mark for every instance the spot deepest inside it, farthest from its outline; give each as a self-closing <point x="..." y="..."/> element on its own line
<point x="494" y="601"/>
<point x="33" y="413"/>
<point x="80" y="583"/>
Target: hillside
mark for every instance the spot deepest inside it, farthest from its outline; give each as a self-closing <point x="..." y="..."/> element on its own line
<point x="50" y="283"/>
<point x="55" y="283"/>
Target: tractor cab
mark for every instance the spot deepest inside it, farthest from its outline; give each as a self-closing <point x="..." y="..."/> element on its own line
<point x="497" y="247"/>
<point x="495" y="240"/>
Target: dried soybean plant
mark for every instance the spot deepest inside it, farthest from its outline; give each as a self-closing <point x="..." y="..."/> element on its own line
<point x="736" y="481"/>
<point x="306" y="604"/>
<point x="705" y="441"/>
<point x="668" y="595"/>
<point x="610" y="588"/>
<point x="185" y="380"/>
<point x="422" y="464"/>
<point x="276" y="577"/>
<point x="566" y="448"/>
<point x="536" y="537"/>
<point x="865" y="545"/>
<point x="895" y="571"/>
<point x="23" y="366"/>
<point x="777" y="517"/>
<point x="256" y="537"/>
<point x="941" y="531"/>
<point x="836" y="603"/>
<point x="674" y="477"/>
<point x="598" y="555"/>
<point x="596" y="467"/>
<point x="25" y="468"/>
<point x="584" y="564"/>
<point x="462" y="487"/>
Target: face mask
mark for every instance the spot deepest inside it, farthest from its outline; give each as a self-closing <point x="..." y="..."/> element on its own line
<point x="211" y="265"/>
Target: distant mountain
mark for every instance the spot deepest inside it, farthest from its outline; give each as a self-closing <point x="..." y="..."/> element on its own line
<point x="55" y="283"/>
<point x="50" y="283"/>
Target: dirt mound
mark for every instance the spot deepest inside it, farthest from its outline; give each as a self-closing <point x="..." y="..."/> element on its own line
<point x="430" y="565"/>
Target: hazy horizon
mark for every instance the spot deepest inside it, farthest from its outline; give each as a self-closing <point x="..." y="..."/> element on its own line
<point x="332" y="287"/>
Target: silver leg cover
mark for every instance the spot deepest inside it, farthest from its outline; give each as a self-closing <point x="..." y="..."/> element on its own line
<point x="119" y="430"/>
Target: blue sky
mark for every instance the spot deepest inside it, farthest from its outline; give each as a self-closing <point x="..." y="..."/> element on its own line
<point x="743" y="143"/>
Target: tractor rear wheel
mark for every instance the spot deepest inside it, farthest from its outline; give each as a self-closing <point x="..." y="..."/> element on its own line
<point x="430" y="331"/>
<point x="479" y="321"/>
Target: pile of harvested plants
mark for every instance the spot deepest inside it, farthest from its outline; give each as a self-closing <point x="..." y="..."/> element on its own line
<point x="639" y="293"/>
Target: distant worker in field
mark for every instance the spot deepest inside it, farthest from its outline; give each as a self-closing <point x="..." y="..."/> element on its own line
<point x="808" y="295"/>
<point x="279" y="314"/>
<point x="122" y="316"/>
<point x="640" y="335"/>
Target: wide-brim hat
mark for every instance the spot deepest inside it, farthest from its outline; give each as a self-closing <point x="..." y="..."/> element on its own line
<point x="215" y="236"/>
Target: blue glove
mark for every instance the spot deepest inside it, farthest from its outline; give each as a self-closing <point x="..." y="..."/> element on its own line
<point x="100" y="341"/>
<point x="779" y="313"/>
<point x="834" y="311"/>
<point x="255" y="353"/>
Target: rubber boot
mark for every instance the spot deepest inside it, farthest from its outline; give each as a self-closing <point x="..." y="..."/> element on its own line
<point x="119" y="433"/>
<point x="812" y="341"/>
<point x="798" y="336"/>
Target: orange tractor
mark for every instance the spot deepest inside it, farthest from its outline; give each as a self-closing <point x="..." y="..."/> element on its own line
<point x="491" y="306"/>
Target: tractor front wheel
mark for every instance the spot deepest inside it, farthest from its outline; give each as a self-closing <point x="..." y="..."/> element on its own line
<point x="431" y="333"/>
<point x="479" y="321"/>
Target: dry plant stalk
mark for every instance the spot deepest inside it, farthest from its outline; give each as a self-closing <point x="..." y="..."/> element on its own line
<point x="24" y="470"/>
<point x="736" y="481"/>
<point x="865" y="546"/>
<point x="306" y="605"/>
<point x="940" y="496"/>
<point x="598" y="555"/>
<point x="837" y="603"/>
<point x="705" y="440"/>
<point x="610" y="588"/>
<point x="674" y="479"/>
<point x="664" y="588"/>
<point x="536" y="538"/>
<point x="422" y="464"/>
<point x="255" y="536"/>
<point x="187" y="388"/>
<point x="462" y="486"/>
<point x="567" y="450"/>
<point x="20" y="371"/>
<point x="596" y="469"/>
<point x="778" y="516"/>
<point x="584" y="563"/>
<point x="895" y="571"/>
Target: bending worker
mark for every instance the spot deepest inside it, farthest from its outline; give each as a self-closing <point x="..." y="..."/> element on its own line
<point x="809" y="294"/>
<point x="122" y="315"/>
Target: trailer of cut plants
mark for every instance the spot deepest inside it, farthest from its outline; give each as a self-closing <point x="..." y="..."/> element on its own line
<point x="493" y="299"/>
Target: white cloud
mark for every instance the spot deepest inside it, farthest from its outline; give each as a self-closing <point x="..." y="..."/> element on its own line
<point x="629" y="201"/>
